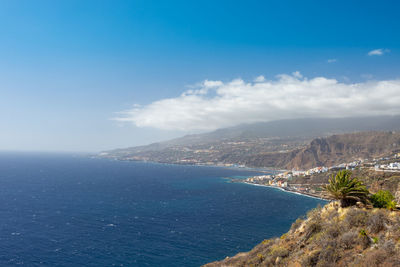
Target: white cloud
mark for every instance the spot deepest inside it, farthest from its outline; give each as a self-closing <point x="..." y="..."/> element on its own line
<point x="211" y="84"/>
<point x="332" y="60"/>
<point x="217" y="104"/>
<point x="259" y="79"/>
<point x="378" y="52"/>
<point x="297" y="74"/>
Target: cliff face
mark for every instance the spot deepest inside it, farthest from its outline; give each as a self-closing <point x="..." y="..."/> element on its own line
<point x="330" y="236"/>
<point x="337" y="149"/>
<point x="332" y="150"/>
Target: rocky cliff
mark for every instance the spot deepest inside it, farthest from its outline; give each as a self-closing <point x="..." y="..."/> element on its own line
<point x="337" y="149"/>
<point x="331" y="151"/>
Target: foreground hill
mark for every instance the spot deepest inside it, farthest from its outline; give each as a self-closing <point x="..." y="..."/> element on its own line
<point x="330" y="236"/>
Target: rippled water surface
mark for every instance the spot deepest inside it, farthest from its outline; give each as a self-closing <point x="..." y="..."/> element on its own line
<point x="70" y="210"/>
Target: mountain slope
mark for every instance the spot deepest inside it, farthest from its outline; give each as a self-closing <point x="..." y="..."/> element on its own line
<point x="280" y="144"/>
<point x="294" y="128"/>
<point x="345" y="148"/>
<point x="333" y="150"/>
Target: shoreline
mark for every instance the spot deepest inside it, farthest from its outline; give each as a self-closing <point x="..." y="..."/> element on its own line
<point x="285" y="190"/>
<point x="255" y="169"/>
<point x="238" y="166"/>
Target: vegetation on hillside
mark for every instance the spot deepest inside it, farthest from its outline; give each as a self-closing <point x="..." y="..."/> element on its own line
<point x="339" y="234"/>
<point x="346" y="189"/>
<point x="265" y="150"/>
<point x="383" y="199"/>
<point x="330" y="236"/>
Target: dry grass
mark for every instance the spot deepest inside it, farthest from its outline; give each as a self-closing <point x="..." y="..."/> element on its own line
<point x="331" y="236"/>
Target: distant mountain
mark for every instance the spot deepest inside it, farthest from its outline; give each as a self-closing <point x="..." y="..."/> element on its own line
<point x="311" y="127"/>
<point x="267" y="144"/>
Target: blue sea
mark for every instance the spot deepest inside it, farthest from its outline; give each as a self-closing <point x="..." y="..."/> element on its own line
<point x="72" y="210"/>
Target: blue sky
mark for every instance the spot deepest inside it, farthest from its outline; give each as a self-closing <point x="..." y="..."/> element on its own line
<point x="69" y="68"/>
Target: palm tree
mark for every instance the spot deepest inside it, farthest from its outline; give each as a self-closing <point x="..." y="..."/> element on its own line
<point x="346" y="189"/>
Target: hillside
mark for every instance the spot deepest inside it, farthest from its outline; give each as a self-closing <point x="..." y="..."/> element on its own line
<point x="294" y="128"/>
<point x="277" y="144"/>
<point x="334" y="150"/>
<point x="283" y="153"/>
<point x="330" y="236"/>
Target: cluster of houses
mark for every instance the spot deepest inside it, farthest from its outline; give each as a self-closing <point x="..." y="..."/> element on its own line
<point x="382" y="164"/>
<point x="343" y="166"/>
<point x="272" y="180"/>
<point x="309" y="172"/>
<point x="282" y="179"/>
<point x="393" y="166"/>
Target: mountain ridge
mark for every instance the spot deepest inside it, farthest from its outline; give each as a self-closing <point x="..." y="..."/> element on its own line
<point x="304" y="127"/>
<point x="278" y="144"/>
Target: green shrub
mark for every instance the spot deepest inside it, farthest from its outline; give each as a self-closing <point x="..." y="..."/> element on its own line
<point x="383" y="199"/>
<point x="346" y="189"/>
<point x="391" y="205"/>
<point x="363" y="232"/>
<point x="365" y="240"/>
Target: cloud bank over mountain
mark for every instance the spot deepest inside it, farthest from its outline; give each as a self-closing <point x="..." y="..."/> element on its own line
<point x="217" y="104"/>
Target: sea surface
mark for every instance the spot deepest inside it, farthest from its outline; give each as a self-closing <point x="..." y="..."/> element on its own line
<point x="72" y="210"/>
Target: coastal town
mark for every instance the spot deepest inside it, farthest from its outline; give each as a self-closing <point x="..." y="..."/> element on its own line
<point x="296" y="180"/>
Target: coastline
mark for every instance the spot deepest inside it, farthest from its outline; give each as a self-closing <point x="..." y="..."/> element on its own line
<point x="282" y="189"/>
<point x="255" y="169"/>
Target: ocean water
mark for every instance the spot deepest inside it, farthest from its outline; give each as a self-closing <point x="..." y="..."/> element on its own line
<point x="66" y="210"/>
